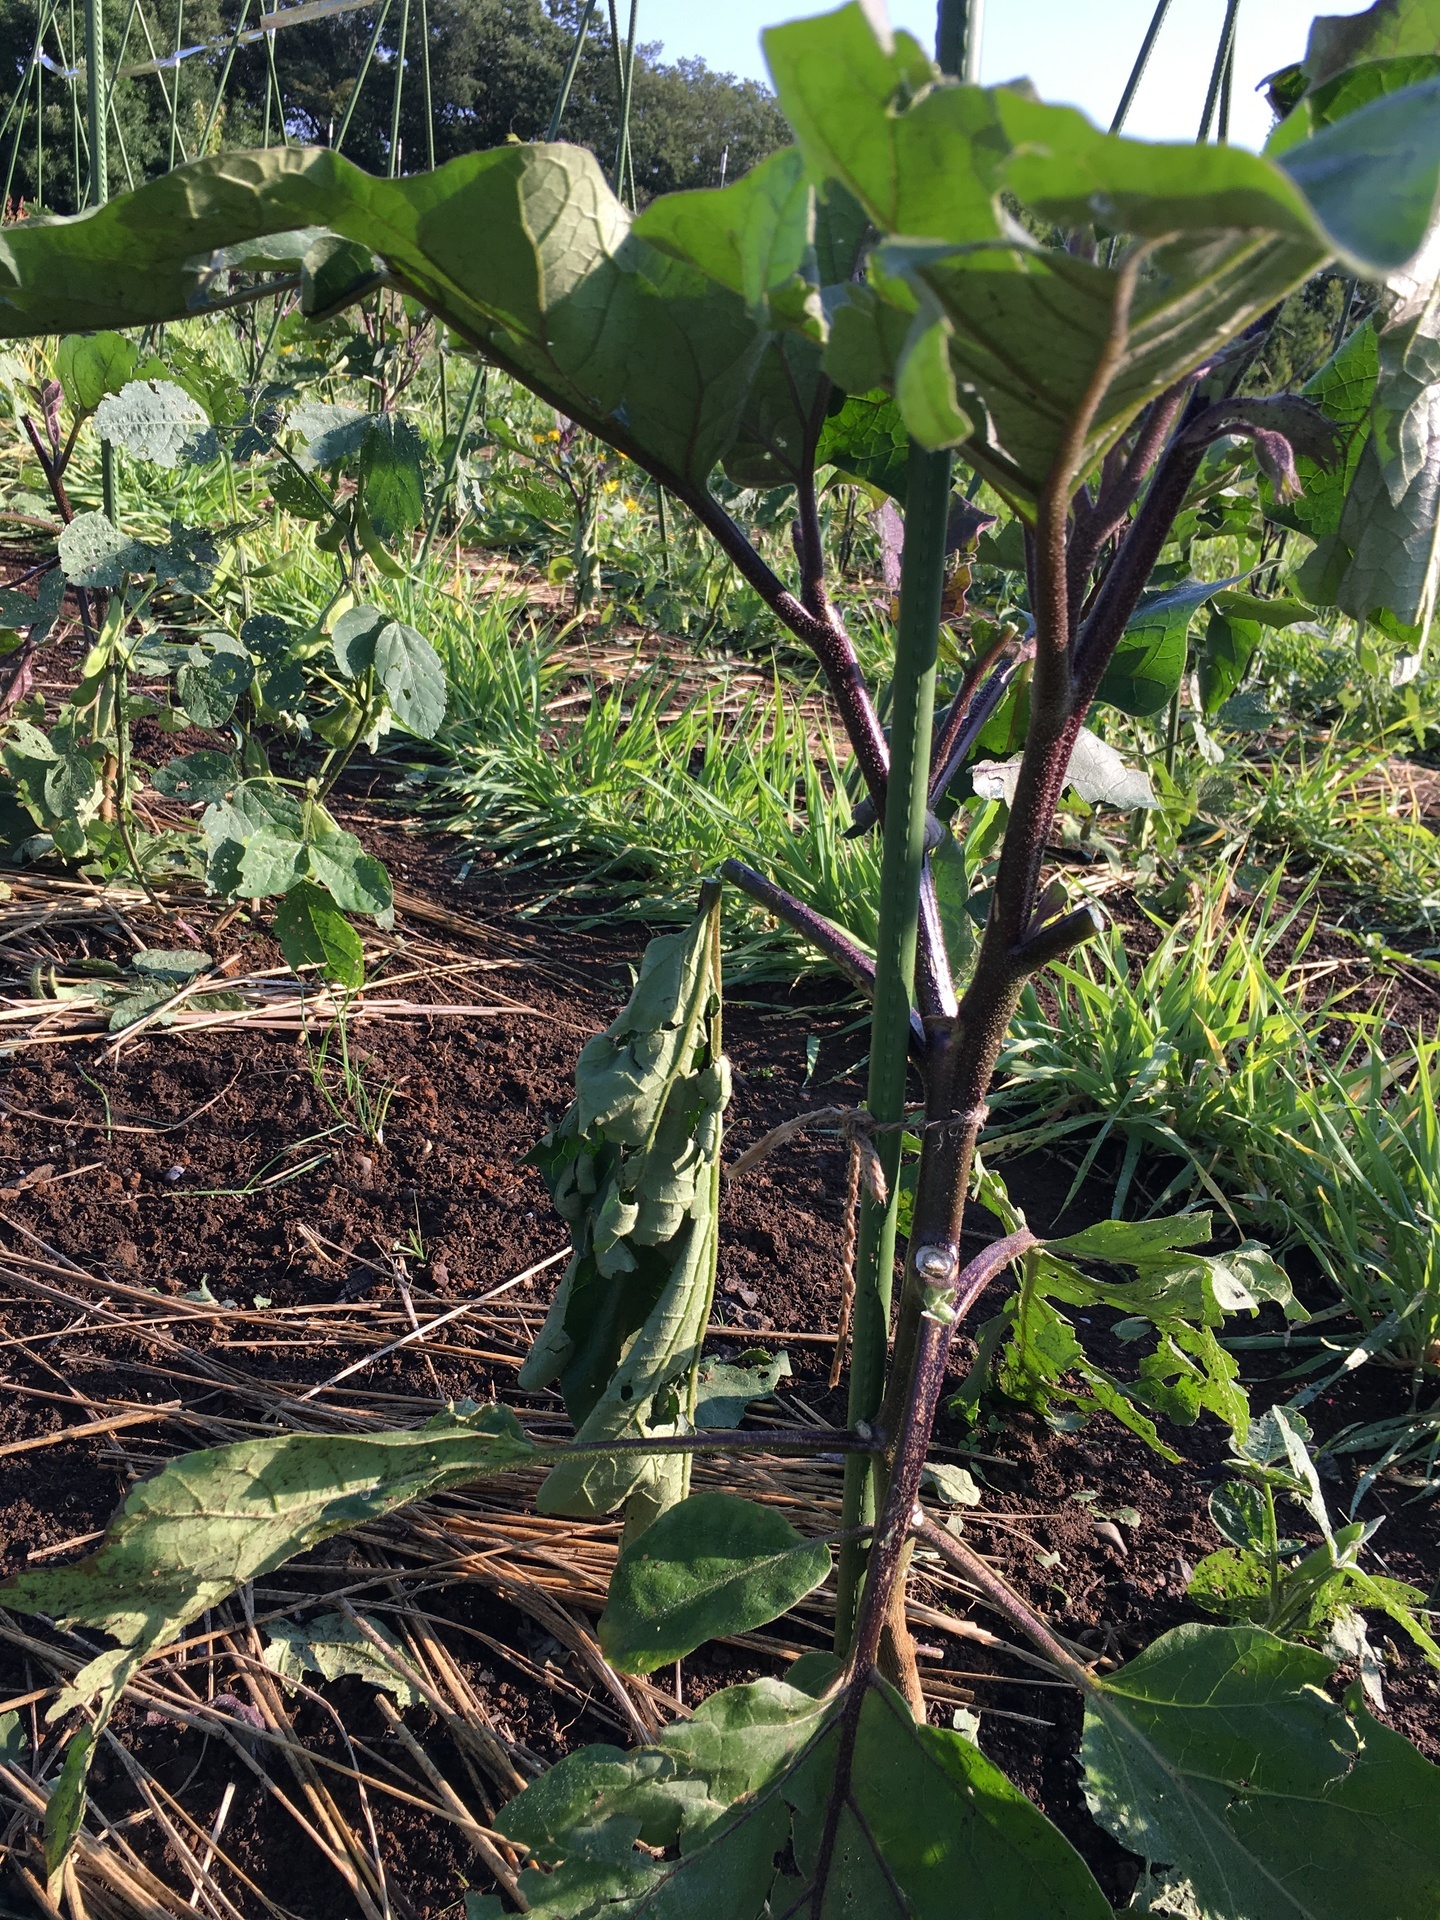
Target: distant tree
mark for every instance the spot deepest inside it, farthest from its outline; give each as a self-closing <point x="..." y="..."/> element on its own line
<point x="495" y="70"/>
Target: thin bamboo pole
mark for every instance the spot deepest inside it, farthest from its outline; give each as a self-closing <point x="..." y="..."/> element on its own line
<point x="562" y="99"/>
<point x="383" y="16"/>
<point x="1142" y="61"/>
<point x="396" y="98"/>
<point x="429" y="97"/>
<point x="224" y="80"/>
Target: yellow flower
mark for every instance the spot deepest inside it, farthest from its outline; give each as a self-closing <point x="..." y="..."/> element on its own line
<point x="631" y="506"/>
<point x="612" y="486"/>
<point x="554" y="434"/>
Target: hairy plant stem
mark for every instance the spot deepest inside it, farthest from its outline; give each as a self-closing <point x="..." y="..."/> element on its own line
<point x="927" y="501"/>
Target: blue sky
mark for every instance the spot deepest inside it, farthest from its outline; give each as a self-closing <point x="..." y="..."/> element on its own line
<point x="1077" y="51"/>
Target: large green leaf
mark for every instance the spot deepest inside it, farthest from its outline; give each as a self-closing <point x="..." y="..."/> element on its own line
<point x="1216" y="1752"/>
<point x="1346" y="93"/>
<point x="312" y="931"/>
<point x="1386" y="550"/>
<point x="713" y="1565"/>
<point x="1149" y="662"/>
<point x="90" y="366"/>
<point x="1383" y="31"/>
<point x="984" y="363"/>
<point x="736" y="1798"/>
<point x="523" y="251"/>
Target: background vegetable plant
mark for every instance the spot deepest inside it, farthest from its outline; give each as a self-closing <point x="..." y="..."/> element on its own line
<point x="727" y="327"/>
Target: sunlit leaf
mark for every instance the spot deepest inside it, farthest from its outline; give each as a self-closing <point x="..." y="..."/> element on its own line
<point x="711" y="1566"/>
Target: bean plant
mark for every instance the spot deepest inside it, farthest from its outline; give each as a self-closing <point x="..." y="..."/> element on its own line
<point x="935" y="276"/>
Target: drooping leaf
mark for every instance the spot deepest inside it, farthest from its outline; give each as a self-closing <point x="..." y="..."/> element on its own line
<point x="736" y="1797"/>
<point x="633" y="1168"/>
<point x="157" y="421"/>
<point x="208" y="1522"/>
<point x="91" y="365"/>
<point x="711" y="1566"/>
<point x="312" y="931"/>
<point x="1217" y="1752"/>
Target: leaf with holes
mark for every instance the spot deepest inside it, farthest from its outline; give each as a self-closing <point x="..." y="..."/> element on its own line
<point x="313" y="932"/>
<point x="413" y="676"/>
<point x="1218" y="1752"/>
<point x="157" y="421"/>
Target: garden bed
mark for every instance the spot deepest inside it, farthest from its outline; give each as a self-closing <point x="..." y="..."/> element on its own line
<point x="193" y="1240"/>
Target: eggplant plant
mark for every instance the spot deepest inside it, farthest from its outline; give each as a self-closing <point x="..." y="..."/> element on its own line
<point x="935" y="274"/>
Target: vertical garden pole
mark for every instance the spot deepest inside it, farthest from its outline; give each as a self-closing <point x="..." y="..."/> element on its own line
<point x="394" y="167"/>
<point x="562" y="99"/>
<point x="1142" y="61"/>
<point x="429" y="97"/>
<point x="917" y="639"/>
<point x="96" y="115"/>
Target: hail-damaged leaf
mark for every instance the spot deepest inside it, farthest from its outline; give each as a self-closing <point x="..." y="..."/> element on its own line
<point x="724" y="1389"/>
<point x="734" y="1801"/>
<point x="208" y="1522"/>
<point x="713" y="1565"/>
<point x="634" y="1170"/>
<point x="1096" y="771"/>
<point x="334" y="1647"/>
<point x="1218" y="1752"/>
<point x="157" y="421"/>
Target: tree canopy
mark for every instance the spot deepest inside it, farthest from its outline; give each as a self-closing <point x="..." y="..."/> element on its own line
<point x="495" y="69"/>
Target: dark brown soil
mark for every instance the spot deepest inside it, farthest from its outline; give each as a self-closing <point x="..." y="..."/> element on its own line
<point x="146" y="1170"/>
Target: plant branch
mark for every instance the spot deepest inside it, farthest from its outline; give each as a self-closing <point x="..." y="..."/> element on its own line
<point x="1003" y="1598"/>
<point x="839" y="949"/>
<point x="824" y="633"/>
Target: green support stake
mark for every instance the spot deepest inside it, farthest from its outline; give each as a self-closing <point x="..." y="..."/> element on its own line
<point x="97" y="106"/>
<point x="394" y="167"/>
<point x="429" y="97"/>
<point x="917" y="648"/>
<point x="562" y="99"/>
